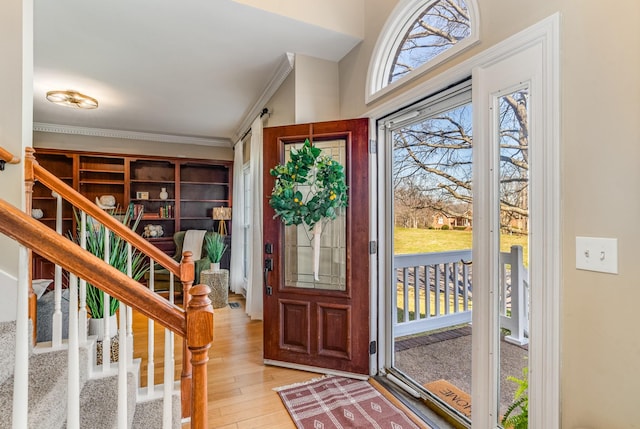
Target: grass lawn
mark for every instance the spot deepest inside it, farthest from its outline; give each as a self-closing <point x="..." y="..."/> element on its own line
<point x="413" y="240"/>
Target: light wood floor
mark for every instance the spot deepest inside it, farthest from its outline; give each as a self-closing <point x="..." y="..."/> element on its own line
<point x="240" y="386"/>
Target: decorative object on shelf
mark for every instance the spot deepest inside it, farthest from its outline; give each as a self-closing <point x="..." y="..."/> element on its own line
<point x="166" y="211"/>
<point x="222" y="215"/>
<point x="142" y="195"/>
<point x="164" y="194"/>
<point x="325" y="192"/>
<point x="106" y="202"/>
<point x="73" y="99"/>
<point x="138" y="209"/>
<point x="95" y="234"/>
<point x="37" y="213"/>
<point x="215" y="247"/>
<point x="153" y="231"/>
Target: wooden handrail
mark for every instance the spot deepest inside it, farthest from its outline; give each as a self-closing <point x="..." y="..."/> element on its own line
<point x="8" y="157"/>
<point x="81" y="202"/>
<point x="61" y="251"/>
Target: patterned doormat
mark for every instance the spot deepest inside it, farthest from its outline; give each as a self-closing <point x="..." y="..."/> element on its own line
<point x="338" y="402"/>
<point x="234" y="304"/>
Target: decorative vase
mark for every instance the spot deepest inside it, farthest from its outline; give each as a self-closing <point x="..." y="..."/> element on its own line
<point x="215" y="266"/>
<point x="37" y="213"/>
<point x="96" y="327"/>
<point x="164" y="194"/>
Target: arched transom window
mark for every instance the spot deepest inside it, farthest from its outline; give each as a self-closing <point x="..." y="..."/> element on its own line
<point x="418" y="35"/>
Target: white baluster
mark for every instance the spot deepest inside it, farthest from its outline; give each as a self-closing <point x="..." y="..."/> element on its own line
<point x="129" y="322"/>
<point x="23" y="336"/>
<point x="73" y="361"/>
<point x="122" y="369"/>
<point x="167" y="403"/>
<point x="416" y="294"/>
<point x="82" y="308"/>
<point x="56" y="336"/>
<point x="151" y="336"/>
<point x="123" y="348"/>
<point x="106" y="338"/>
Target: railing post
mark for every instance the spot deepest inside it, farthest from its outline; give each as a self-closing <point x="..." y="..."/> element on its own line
<point x="199" y="338"/>
<point x="187" y="274"/>
<point x="29" y="180"/>
<point x="518" y="311"/>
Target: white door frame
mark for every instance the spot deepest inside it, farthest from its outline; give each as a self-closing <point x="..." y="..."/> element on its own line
<point x="545" y="245"/>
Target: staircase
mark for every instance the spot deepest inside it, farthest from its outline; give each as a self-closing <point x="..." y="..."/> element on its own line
<point x="58" y="384"/>
<point x="98" y="398"/>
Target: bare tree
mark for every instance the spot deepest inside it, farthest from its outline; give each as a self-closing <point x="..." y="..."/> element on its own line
<point x="435" y="153"/>
<point x="441" y="26"/>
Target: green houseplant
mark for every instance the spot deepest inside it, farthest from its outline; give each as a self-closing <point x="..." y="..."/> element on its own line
<point x="215" y="247"/>
<point x="95" y="233"/>
<point x="513" y="419"/>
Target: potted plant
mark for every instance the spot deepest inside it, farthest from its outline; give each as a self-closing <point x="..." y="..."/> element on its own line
<point x="215" y="247"/>
<point x="95" y="233"/>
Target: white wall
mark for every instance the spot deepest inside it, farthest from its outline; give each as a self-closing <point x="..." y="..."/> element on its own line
<point x="16" y="87"/>
<point x="316" y="90"/>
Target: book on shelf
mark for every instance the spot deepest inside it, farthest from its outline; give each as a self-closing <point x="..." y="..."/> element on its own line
<point x="137" y="209"/>
<point x="166" y="212"/>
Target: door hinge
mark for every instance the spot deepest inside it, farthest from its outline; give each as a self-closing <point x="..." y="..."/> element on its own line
<point x="373" y="347"/>
<point x="373" y="146"/>
<point x="373" y="247"/>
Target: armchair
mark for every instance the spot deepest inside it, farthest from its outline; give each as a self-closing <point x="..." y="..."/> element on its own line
<point x="161" y="275"/>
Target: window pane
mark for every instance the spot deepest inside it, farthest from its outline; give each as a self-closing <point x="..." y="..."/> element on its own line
<point x="443" y="24"/>
<point x="433" y="294"/>
<point x="514" y="247"/>
<point x="299" y="240"/>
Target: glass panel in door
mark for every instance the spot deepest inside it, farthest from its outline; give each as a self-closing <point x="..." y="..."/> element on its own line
<point x="432" y="214"/>
<point x="513" y="129"/>
<point x="302" y="245"/>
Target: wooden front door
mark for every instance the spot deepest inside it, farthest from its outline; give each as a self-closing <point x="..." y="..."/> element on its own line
<point x="320" y="320"/>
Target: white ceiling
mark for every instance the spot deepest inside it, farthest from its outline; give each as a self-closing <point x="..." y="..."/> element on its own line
<point x="192" y="68"/>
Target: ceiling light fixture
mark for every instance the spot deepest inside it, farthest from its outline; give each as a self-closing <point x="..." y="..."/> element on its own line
<point x="72" y="99"/>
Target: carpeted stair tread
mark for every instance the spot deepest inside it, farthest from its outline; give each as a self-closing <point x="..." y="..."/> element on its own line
<point x="7" y="349"/>
<point x="149" y="414"/>
<point x="99" y="403"/>
<point x="47" y="392"/>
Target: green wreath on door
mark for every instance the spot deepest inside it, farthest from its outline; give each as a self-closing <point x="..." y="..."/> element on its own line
<point x="326" y="196"/>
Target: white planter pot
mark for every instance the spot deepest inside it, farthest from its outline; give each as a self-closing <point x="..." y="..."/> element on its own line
<point x="96" y="327"/>
<point x="215" y="266"/>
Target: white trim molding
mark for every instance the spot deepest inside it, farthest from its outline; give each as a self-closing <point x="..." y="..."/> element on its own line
<point x="130" y="135"/>
<point x="528" y="60"/>
<point x="282" y="71"/>
<point x="545" y="244"/>
<point x="397" y="25"/>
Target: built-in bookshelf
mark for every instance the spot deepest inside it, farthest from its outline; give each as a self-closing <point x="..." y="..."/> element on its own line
<point x="176" y="193"/>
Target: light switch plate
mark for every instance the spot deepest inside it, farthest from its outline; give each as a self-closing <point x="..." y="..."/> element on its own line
<point x="597" y="254"/>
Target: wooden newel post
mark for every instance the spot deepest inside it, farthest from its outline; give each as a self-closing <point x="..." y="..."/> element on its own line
<point x="199" y="338"/>
<point x="187" y="274"/>
<point x="29" y="180"/>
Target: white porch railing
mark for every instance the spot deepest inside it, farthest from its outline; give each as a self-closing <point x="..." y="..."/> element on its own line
<point x="435" y="290"/>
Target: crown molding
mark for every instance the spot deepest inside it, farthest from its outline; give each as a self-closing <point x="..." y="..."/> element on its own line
<point x="282" y="71"/>
<point x="130" y="135"/>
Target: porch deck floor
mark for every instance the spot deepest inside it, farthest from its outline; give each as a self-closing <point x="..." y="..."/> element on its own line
<point x="447" y="355"/>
